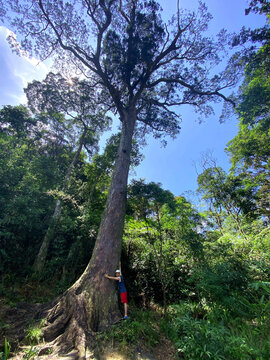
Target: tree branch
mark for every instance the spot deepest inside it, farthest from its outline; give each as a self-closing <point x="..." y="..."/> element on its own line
<point x="192" y="88"/>
<point x="123" y="13"/>
<point x="67" y="47"/>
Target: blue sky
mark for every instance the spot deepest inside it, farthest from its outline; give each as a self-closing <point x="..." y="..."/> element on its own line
<point x="173" y="166"/>
<point x="15" y="72"/>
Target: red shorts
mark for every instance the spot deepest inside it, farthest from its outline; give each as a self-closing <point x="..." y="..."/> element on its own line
<point x="124" y="298"/>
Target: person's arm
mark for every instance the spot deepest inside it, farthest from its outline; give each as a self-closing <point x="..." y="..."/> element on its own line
<point x="117" y="278"/>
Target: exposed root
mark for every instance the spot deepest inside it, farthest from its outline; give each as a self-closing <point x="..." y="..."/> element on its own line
<point x="73" y="320"/>
<point x="69" y="325"/>
<point x="58" y="318"/>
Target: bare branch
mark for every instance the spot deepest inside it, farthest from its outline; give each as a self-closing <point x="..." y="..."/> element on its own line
<point x="66" y="47"/>
<point x="171" y="47"/>
<point x="123" y="13"/>
<point x="103" y="28"/>
<point x="167" y="39"/>
<point x="192" y="88"/>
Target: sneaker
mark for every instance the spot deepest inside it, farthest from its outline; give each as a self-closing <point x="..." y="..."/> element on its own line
<point x="125" y="317"/>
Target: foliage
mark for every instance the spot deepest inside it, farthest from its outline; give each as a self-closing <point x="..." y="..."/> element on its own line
<point x="160" y="236"/>
<point x="215" y="265"/>
<point x="131" y="56"/>
<point x="261" y="6"/>
<point x="29" y="167"/>
<point x="32" y="352"/>
<point x="34" y="334"/>
<point x="33" y="166"/>
<point x="220" y="283"/>
<point x="7" y="347"/>
<point x="228" y="196"/>
<point x="249" y="149"/>
<point x="201" y="339"/>
<point x="201" y="332"/>
<point x="76" y="100"/>
<point x="143" y="329"/>
<point x="258" y="301"/>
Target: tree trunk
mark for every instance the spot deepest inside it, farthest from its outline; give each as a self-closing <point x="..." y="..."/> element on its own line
<point x="90" y="305"/>
<point x="43" y="251"/>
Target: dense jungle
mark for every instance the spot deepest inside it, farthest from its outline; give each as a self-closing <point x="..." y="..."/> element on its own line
<point x="197" y="274"/>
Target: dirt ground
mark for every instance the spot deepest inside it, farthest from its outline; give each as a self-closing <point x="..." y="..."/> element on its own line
<point x="14" y="322"/>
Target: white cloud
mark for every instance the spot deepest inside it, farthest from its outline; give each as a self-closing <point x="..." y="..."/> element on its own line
<point x="16" y="71"/>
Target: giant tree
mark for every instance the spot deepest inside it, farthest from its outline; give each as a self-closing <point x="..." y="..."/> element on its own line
<point x="142" y="70"/>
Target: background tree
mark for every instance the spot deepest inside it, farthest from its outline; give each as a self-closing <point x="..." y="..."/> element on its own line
<point x="142" y="69"/>
<point x="227" y="194"/>
<point x="161" y="233"/>
<point x="147" y="201"/>
<point x="261" y="6"/>
<point x="84" y="124"/>
<point x="249" y="150"/>
<point x="33" y="161"/>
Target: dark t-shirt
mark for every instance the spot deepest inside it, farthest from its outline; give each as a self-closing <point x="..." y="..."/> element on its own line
<point x="121" y="285"/>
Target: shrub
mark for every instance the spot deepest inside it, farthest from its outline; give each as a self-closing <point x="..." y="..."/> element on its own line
<point x="201" y="332"/>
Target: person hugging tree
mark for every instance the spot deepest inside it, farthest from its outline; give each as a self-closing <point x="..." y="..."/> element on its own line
<point x="122" y="290"/>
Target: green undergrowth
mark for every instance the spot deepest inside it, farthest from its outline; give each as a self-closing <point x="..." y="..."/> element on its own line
<point x="4" y="355"/>
<point x="236" y="328"/>
<point x="197" y="330"/>
<point x="202" y="332"/>
<point x="16" y="290"/>
<point x="34" y="333"/>
<point x="142" y="327"/>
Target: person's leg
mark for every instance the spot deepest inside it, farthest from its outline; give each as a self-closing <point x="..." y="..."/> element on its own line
<point x="125" y="303"/>
<point x="125" y="309"/>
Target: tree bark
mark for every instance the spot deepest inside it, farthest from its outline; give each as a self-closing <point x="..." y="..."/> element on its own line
<point x="90" y="304"/>
<point x="43" y="251"/>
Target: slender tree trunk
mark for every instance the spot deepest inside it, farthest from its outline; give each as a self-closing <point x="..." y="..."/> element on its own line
<point x="91" y="303"/>
<point x="233" y="212"/>
<point x="43" y="251"/>
<point x="217" y="217"/>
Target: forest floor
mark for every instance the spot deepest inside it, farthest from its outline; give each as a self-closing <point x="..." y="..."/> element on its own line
<point x="15" y="322"/>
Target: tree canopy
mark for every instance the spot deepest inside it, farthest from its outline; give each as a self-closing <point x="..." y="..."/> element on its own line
<point x="130" y="55"/>
<point x="142" y="69"/>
